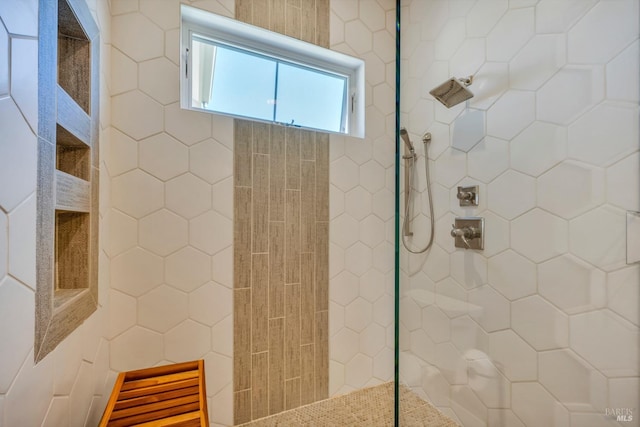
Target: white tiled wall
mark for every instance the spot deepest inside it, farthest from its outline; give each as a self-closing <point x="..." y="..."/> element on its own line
<point x="171" y="207"/>
<point x="540" y="328"/>
<point x="362" y="188"/>
<point x="70" y="385"/>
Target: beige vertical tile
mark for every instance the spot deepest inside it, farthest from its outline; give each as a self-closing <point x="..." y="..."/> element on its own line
<point x="277" y="173"/>
<point x="241" y="407"/>
<point x="261" y="13"/>
<point x="322" y="177"/>
<point x="292" y="331"/>
<point x="276" y="269"/>
<point x="276" y="365"/>
<point x="242" y="131"/>
<point x="260" y="303"/>
<point x="292" y="396"/>
<point x="281" y="179"/>
<point x="307" y="297"/>
<point x="307" y="374"/>
<point x="292" y="28"/>
<point x="322" y="355"/>
<point x="241" y="339"/>
<point x="260" y="386"/>
<point x="292" y="236"/>
<point x="242" y="237"/>
<point x="322" y="23"/>
<point x="243" y="10"/>
<point x="308" y="20"/>
<point x="260" y="204"/>
<point x="261" y="131"/>
<point x="278" y="16"/>
<point x="307" y="206"/>
<point x="292" y="137"/>
<point x="307" y="145"/>
<point x="322" y="266"/>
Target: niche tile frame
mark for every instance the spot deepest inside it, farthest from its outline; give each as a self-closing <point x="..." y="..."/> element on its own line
<point x="68" y="171"/>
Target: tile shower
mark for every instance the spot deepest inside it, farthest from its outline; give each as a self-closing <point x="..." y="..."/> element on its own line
<point x="541" y="327"/>
<point x="531" y="139"/>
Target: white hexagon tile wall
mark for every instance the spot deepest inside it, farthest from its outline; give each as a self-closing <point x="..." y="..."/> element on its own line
<point x="551" y="137"/>
<point x="172" y="207"/>
<point x="70" y="385"/>
<point x="361" y="197"/>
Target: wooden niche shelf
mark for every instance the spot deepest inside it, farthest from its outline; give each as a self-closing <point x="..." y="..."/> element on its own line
<point x="68" y="171"/>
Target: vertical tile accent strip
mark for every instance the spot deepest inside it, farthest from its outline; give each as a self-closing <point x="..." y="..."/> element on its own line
<point x="322" y="177"/>
<point x="242" y="339"/>
<point x="292" y="236"/>
<point x="242" y="407"/>
<point x="243" y="10"/>
<point x="292" y="138"/>
<point x="261" y="131"/>
<point x="242" y="132"/>
<point x="322" y="266"/>
<point x="307" y="298"/>
<point x="307" y="145"/>
<point x="308" y="20"/>
<point x="276" y="365"/>
<point x="322" y="23"/>
<point x="292" y="13"/>
<point x="260" y="303"/>
<point x="322" y="355"/>
<point x="277" y="174"/>
<point x="307" y="206"/>
<point x="276" y="270"/>
<point x="260" y="15"/>
<point x="260" y="385"/>
<point x="307" y="374"/>
<point x="260" y="204"/>
<point x="242" y="237"/>
<point x="281" y="243"/>
<point x="292" y="331"/>
<point x="278" y="21"/>
<point x="292" y="397"/>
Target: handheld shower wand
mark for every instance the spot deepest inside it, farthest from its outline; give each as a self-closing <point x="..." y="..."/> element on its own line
<point x="409" y="172"/>
<point x="405" y="137"/>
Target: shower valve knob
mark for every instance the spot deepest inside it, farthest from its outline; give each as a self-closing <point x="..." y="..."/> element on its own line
<point x="468" y="196"/>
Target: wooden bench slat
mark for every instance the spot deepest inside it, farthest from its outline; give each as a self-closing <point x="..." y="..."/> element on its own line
<point x="161" y="370"/>
<point x="182" y="420"/>
<point x="154" y="407"/>
<point x="144" y="391"/>
<point x="152" y="416"/>
<point x="156" y="398"/>
<point x="163" y="379"/>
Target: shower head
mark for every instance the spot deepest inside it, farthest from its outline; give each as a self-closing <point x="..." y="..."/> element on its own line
<point x="453" y="91"/>
<point x="405" y="137"/>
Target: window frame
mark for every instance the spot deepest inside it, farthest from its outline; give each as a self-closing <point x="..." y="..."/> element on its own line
<point x="239" y="35"/>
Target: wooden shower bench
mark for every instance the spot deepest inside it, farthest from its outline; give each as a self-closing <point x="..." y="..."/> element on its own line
<point x="172" y="395"/>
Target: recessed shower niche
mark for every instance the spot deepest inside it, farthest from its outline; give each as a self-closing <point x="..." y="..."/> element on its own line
<point x="68" y="162"/>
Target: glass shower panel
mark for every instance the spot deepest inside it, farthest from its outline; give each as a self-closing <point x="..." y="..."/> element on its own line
<point x="541" y="327"/>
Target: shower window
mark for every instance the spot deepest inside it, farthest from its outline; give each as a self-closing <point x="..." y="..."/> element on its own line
<point x="244" y="71"/>
<point x="233" y="81"/>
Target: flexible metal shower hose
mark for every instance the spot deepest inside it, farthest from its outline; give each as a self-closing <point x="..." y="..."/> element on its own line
<point x="409" y="201"/>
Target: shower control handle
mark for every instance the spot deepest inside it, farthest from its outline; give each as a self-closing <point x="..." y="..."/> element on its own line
<point x="465" y="234"/>
<point x="468" y="233"/>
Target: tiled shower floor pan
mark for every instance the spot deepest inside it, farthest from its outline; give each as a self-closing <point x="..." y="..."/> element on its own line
<point x="369" y="407"/>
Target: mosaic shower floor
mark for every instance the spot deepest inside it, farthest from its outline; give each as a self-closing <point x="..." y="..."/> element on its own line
<point x="369" y="407"/>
